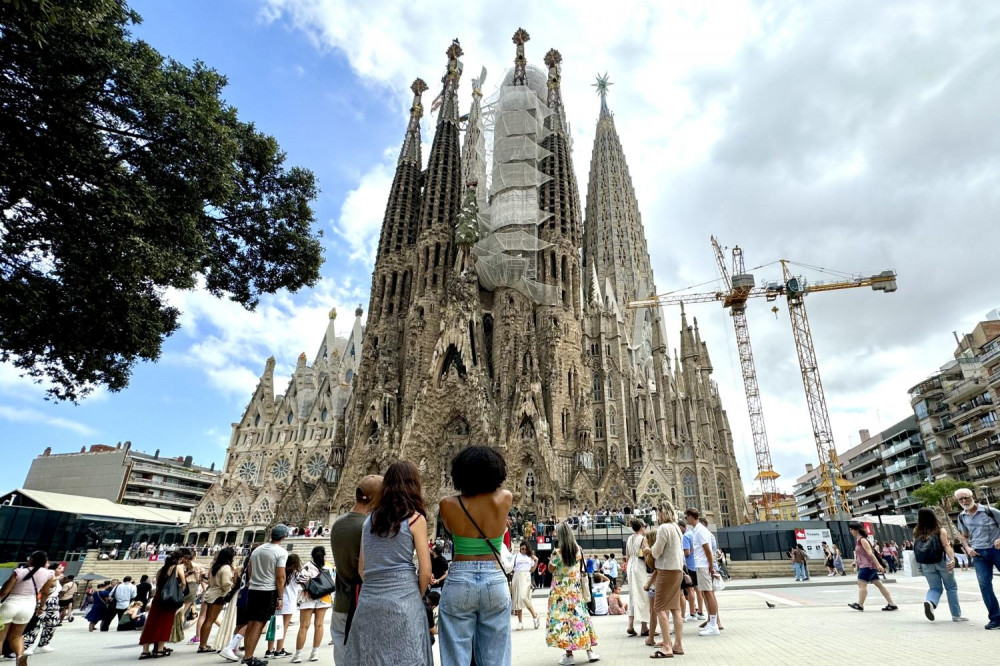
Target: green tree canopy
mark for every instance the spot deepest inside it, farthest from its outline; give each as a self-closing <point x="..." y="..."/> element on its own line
<point x="940" y="493"/>
<point x="124" y="174"/>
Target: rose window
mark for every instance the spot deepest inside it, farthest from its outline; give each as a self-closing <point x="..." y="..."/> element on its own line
<point x="247" y="470"/>
<point x="281" y="469"/>
<point x="316" y="466"/>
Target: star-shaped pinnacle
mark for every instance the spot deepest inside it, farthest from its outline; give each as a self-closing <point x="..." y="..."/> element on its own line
<point x="521" y="36"/>
<point x="553" y="58"/>
<point x="602" y="85"/>
<point x="418" y="87"/>
<point x="455" y="50"/>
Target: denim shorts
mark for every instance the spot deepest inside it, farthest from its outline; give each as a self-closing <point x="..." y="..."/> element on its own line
<point x="868" y="574"/>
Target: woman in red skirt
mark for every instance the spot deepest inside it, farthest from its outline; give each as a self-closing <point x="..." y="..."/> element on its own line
<point x="160" y="619"/>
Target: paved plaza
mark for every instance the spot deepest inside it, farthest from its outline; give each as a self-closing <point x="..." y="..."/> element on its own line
<point x="808" y="622"/>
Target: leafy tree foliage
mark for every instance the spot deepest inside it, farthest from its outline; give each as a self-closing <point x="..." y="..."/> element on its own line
<point x="124" y="174"/>
<point x="940" y="493"/>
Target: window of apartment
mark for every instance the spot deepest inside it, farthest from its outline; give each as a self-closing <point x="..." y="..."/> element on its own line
<point x="921" y="409"/>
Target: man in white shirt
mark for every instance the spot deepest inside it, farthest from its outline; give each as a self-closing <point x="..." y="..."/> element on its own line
<point x="611" y="570"/>
<point x="704" y="562"/>
<point x="123" y="595"/>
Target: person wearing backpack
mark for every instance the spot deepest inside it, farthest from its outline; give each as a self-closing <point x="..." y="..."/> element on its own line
<point x="936" y="561"/>
<point x="979" y="527"/>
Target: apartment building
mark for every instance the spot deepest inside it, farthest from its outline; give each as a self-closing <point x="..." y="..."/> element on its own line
<point x="123" y="475"/>
<point x="958" y="407"/>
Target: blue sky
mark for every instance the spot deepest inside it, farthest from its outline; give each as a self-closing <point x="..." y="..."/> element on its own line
<point x="327" y="121"/>
<point x="797" y="130"/>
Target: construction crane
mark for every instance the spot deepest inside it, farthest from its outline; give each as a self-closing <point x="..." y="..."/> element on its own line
<point x="834" y="486"/>
<point x="738" y="289"/>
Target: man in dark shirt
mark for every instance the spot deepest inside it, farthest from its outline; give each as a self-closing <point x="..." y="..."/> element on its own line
<point x="345" y="543"/>
<point x="439" y="566"/>
<point x="142" y="591"/>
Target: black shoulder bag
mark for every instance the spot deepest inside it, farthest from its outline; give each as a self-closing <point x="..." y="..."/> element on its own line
<point x="496" y="553"/>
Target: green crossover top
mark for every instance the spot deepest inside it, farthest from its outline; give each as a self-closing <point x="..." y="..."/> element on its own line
<point x="475" y="545"/>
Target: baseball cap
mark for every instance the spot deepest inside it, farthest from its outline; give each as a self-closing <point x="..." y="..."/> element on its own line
<point x="279" y="531"/>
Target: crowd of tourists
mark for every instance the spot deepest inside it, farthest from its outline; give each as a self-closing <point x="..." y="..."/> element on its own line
<point x="390" y="592"/>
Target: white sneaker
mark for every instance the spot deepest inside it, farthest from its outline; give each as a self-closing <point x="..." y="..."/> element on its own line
<point x="29" y="651"/>
<point x="710" y="630"/>
<point x="297" y="657"/>
<point x="701" y="616"/>
<point x="593" y="656"/>
<point x="690" y="618"/>
<point x="536" y="621"/>
<point x="520" y="627"/>
<point x="227" y="653"/>
<point x="567" y="660"/>
<point x="314" y="655"/>
<point x="959" y="619"/>
<point x="45" y="648"/>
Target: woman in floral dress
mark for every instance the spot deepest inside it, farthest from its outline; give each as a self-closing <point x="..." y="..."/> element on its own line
<point x="569" y="625"/>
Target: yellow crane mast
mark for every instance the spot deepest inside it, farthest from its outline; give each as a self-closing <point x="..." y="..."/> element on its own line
<point x="834" y="486"/>
<point x="738" y="289"/>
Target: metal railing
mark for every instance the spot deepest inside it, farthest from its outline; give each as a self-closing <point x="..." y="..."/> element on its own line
<point x="907" y="481"/>
<point x="900" y="465"/>
<point x="171" y="470"/>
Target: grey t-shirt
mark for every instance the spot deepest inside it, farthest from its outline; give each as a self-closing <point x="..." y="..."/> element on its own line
<point x="263" y="562"/>
<point x="982" y="528"/>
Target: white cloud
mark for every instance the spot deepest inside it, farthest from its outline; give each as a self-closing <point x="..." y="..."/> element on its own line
<point x="231" y="344"/>
<point x="361" y="214"/>
<point x="28" y="415"/>
<point x="838" y="134"/>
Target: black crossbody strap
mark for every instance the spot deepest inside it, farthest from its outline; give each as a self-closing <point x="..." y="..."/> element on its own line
<point x="496" y="553"/>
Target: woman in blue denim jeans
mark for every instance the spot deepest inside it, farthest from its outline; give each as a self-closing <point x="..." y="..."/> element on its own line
<point x="474" y="615"/>
<point x="940" y="574"/>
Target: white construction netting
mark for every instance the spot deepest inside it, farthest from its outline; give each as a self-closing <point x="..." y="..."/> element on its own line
<point x="507" y="251"/>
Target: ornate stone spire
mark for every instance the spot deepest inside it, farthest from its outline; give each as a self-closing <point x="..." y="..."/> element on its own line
<point x="411" y="144"/>
<point x="474" y="148"/>
<point x="520" y="62"/>
<point x="614" y="239"/>
<point x="449" y="96"/>
<point x="399" y="224"/>
<point x="557" y="121"/>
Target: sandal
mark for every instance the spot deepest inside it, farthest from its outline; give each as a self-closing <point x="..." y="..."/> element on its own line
<point x="660" y="654"/>
<point x="631" y="632"/>
<point x="147" y="655"/>
<point x="206" y="648"/>
<point x="856" y="606"/>
<point x="891" y="607"/>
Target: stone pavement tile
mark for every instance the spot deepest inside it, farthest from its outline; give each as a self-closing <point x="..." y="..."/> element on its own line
<point x="805" y="623"/>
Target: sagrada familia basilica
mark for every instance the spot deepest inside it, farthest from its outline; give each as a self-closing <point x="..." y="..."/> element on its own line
<point x="498" y="315"/>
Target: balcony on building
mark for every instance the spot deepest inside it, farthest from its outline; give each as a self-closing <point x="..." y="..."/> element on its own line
<point x="862" y="478"/>
<point x="989" y="353"/>
<point x="147" y="499"/>
<point x="864" y="459"/>
<point x="902" y="464"/>
<point x="965" y="389"/>
<point x="971" y="408"/>
<point x="906" y="481"/>
<point x="910" y="444"/>
<point x="875" y="489"/>
<point x="994" y="378"/>
<point x="985" y="427"/>
<point x="983" y="451"/>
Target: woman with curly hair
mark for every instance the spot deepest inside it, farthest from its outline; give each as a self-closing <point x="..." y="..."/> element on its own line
<point x="390" y="625"/>
<point x="474" y="615"/>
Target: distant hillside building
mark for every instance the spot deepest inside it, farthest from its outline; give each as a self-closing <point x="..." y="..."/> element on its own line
<point x="122" y="475"/>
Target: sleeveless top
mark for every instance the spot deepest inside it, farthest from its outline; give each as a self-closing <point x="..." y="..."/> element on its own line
<point x="861" y="556"/>
<point x="391" y="553"/>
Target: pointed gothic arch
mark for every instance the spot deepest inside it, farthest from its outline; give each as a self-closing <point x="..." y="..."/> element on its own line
<point x="689" y="487"/>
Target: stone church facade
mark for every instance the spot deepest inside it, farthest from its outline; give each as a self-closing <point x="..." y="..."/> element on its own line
<point x="497" y="316"/>
<point x="280" y="463"/>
